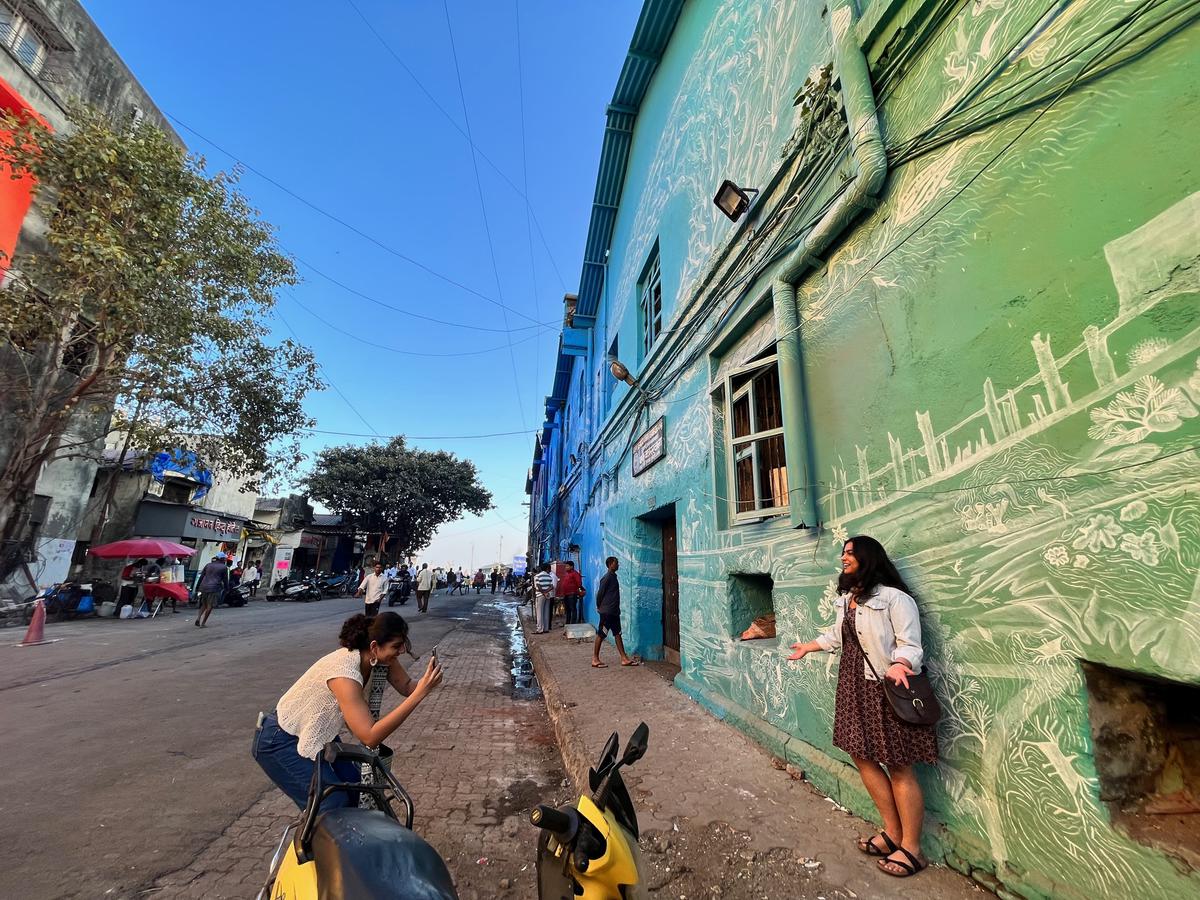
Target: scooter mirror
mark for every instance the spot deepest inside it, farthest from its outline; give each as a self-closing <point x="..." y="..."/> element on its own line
<point x="636" y="748"/>
<point x="609" y="753"/>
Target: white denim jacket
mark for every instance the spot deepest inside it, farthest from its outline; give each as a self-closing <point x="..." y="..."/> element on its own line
<point x="888" y="626"/>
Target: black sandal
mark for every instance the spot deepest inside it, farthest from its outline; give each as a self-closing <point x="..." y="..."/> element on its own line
<point x="909" y="870"/>
<point x="869" y="847"/>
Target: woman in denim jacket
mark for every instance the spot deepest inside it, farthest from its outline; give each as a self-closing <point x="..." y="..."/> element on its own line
<point x="877" y="615"/>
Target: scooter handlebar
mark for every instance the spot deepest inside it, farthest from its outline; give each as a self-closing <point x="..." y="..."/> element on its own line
<point x="551" y="819"/>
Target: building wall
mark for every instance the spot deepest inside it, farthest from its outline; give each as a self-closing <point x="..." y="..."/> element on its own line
<point x="1003" y="386"/>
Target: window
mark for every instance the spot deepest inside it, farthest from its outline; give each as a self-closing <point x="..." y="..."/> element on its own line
<point x="751" y="597"/>
<point x="650" y="303"/>
<point x="754" y="429"/>
<point x="19" y="36"/>
<point x="609" y="381"/>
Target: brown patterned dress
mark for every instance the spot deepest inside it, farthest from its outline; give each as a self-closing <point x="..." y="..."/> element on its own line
<point x="863" y="723"/>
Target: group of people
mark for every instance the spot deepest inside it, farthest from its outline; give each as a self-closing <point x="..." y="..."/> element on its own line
<point x="877" y="630"/>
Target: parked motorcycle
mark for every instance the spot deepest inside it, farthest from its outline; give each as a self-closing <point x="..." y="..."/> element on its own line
<point x="237" y="595"/>
<point x="67" y="600"/>
<point x="335" y="585"/>
<point x="302" y="589"/>
<point x="590" y="850"/>
<point x="356" y="853"/>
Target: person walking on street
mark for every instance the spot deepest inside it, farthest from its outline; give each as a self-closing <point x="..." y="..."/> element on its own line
<point x="214" y="582"/>
<point x="288" y="743"/>
<point x="372" y="589"/>
<point x="495" y="578"/>
<point x="478" y="581"/>
<point x="570" y="589"/>
<point x="608" y="606"/>
<point x="425" y="585"/>
<point x="878" y="630"/>
<point x="544" y="585"/>
<point x="252" y="577"/>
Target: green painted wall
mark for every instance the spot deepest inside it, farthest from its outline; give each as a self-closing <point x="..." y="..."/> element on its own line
<point x="1003" y="366"/>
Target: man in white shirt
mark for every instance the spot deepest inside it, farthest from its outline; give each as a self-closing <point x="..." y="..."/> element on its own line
<point x="251" y="577"/>
<point x="374" y="586"/>
<point x="425" y="584"/>
<point x="544" y="584"/>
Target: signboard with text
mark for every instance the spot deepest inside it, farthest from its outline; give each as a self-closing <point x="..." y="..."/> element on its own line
<point x="649" y="449"/>
<point x="518" y="565"/>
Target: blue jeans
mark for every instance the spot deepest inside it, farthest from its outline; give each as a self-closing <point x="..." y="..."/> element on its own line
<point x="275" y="751"/>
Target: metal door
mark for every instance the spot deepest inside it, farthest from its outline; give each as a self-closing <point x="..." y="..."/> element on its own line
<point x="670" y="584"/>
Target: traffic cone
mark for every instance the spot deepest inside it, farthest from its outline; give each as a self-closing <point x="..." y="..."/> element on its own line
<point x="37" y="627"/>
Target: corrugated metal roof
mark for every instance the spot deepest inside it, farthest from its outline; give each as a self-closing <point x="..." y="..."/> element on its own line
<point x="650" y="38"/>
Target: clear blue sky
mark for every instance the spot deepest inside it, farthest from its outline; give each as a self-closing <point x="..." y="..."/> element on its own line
<point x="305" y="93"/>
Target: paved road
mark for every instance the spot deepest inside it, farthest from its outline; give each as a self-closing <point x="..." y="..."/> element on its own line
<point x="127" y="743"/>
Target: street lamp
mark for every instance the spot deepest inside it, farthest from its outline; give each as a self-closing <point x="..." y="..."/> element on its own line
<point x="733" y="200"/>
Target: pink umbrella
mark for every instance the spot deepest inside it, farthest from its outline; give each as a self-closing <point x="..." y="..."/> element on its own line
<point x="148" y="547"/>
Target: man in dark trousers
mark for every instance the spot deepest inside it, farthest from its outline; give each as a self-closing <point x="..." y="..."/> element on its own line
<point x="570" y="589"/>
<point x="214" y="582"/>
<point x="608" y="605"/>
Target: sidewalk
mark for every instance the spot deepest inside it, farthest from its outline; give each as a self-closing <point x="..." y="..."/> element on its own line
<point x="719" y="817"/>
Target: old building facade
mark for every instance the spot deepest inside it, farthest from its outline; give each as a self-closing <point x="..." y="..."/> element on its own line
<point x="961" y="315"/>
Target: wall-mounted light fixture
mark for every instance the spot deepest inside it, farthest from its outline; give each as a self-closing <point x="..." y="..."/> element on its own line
<point x="621" y="372"/>
<point x="733" y="200"/>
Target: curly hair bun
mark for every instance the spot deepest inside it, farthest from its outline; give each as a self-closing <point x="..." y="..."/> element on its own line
<point x="356" y="633"/>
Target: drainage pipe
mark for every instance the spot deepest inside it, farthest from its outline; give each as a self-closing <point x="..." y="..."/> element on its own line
<point x="869" y="170"/>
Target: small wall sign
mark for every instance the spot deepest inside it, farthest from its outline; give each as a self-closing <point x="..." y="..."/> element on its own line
<point x="649" y="449"/>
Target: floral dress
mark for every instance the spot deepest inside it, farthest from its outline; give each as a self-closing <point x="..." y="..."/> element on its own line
<point x="863" y="723"/>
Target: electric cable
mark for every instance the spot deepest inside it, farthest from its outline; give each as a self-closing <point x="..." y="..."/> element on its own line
<point x="417" y="437"/>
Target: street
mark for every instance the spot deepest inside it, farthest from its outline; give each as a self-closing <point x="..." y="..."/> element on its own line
<point x="130" y="747"/>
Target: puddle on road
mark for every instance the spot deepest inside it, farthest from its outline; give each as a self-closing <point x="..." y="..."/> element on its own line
<point x="524" y="682"/>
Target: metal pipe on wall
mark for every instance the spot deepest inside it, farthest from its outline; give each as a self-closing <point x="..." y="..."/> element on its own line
<point x="869" y="164"/>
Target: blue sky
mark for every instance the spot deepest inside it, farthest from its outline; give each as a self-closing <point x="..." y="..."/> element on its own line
<point x="309" y="96"/>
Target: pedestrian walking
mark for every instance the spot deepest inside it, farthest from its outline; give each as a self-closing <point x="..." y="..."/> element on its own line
<point x="252" y="577"/>
<point x="570" y="590"/>
<point x="544" y="585"/>
<point x="495" y="578"/>
<point x="878" y="629"/>
<point x="214" y="582"/>
<point x="479" y="581"/>
<point x="372" y="589"/>
<point x="328" y="697"/>
<point x="608" y="607"/>
<point x="425" y="583"/>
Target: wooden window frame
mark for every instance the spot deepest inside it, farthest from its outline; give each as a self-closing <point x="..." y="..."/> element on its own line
<point x="650" y="302"/>
<point x="750" y="441"/>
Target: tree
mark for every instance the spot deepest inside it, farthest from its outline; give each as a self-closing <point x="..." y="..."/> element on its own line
<point x="397" y="490"/>
<point x="149" y="289"/>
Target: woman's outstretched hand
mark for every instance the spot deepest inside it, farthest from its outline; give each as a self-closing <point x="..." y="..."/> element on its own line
<point x="898" y="673"/>
<point x="801" y="649"/>
<point x="432" y="677"/>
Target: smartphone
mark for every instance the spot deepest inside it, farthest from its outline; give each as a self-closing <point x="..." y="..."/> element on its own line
<point x="433" y="654"/>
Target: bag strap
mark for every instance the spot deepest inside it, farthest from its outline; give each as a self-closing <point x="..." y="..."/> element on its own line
<point x="854" y="631"/>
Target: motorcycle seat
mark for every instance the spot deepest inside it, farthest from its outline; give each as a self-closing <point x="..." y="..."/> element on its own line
<point x="362" y="854"/>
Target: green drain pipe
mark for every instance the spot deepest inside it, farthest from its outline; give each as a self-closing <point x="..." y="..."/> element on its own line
<point x="869" y="167"/>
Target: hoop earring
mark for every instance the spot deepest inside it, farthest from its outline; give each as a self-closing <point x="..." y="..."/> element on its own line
<point x="374" y="662"/>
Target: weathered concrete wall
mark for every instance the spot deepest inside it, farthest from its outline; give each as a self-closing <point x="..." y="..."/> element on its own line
<point x="1003" y="372"/>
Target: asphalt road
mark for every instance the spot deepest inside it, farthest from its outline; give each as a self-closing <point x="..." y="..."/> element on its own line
<point x="127" y="743"/>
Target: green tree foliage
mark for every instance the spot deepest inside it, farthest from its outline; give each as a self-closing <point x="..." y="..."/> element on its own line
<point x="150" y="287"/>
<point x="398" y="490"/>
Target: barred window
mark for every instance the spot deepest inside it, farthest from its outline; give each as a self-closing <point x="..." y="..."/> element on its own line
<point x="650" y="303"/>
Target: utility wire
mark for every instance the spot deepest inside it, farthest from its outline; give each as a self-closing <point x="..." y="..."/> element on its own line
<point x="417" y="437"/>
<point x="466" y="133"/>
<point x="397" y="350"/>
<point x="483" y="210"/>
<point x="347" y="225"/>
<point x="338" y="390"/>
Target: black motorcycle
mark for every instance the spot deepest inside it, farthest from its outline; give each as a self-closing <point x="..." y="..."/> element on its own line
<point x="398" y="591"/>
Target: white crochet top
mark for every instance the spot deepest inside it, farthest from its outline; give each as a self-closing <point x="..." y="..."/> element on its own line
<point x="309" y="710"/>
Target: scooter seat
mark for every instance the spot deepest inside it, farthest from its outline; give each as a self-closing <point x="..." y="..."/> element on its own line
<point x="361" y="854"/>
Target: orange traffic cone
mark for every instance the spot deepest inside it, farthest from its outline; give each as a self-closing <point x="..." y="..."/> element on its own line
<point x="37" y="627"/>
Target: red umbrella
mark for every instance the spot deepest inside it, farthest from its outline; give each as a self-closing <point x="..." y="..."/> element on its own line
<point x="148" y="547"/>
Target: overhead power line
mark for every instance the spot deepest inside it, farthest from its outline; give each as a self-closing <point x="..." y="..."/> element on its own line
<point x="465" y="132"/>
<point x="347" y="225"/>
<point x="420" y="437"/>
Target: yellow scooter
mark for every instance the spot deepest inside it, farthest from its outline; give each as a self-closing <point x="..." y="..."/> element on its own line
<point x="590" y="850"/>
<point x="356" y="853"/>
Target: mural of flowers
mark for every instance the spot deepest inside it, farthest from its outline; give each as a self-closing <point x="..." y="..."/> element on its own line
<point x="1145" y="351"/>
<point x="1100" y="533"/>
<point x="840" y="534"/>
<point x="1133" y="511"/>
<point x="1144" y="548"/>
<point x="1057" y="555"/>
<point x="1080" y="561"/>
<point x="1150" y="408"/>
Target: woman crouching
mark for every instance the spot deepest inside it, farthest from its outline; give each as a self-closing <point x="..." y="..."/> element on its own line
<point x="330" y="695"/>
<point x="877" y="614"/>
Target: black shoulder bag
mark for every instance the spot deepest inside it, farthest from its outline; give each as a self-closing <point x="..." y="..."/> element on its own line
<point x="915" y="704"/>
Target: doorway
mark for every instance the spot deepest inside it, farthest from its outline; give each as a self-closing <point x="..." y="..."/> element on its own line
<point x="670" y="591"/>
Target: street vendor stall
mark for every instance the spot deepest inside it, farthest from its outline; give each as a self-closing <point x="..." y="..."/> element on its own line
<point x="170" y="585"/>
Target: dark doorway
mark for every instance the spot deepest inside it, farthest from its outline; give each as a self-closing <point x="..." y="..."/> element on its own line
<point x="670" y="588"/>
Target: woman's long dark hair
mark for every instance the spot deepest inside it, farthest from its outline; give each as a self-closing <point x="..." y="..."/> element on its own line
<point x="874" y="569"/>
<point x="358" y="631"/>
